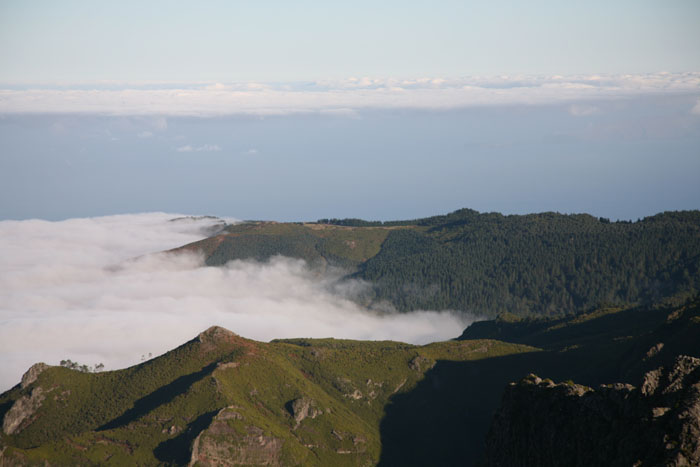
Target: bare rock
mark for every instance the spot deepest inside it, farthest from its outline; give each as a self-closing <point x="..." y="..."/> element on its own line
<point x="20" y="414"/>
<point x="173" y="430"/>
<point x="651" y="382"/>
<point x="32" y="374"/>
<point x="226" y="365"/>
<point x="654" y="351"/>
<point x="545" y="424"/>
<point x="230" y="415"/>
<point x="215" y="334"/>
<point x="419" y="361"/>
<point x="302" y="408"/>
<point x="222" y="445"/>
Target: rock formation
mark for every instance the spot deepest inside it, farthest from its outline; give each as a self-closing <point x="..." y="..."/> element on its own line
<point x="541" y="423"/>
<point x="221" y="444"/>
<point x="32" y="374"/>
<point x="303" y="407"/>
<point x="21" y="412"/>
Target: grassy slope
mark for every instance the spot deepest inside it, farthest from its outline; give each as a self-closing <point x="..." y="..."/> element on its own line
<point x="384" y="403"/>
<point x="315" y="243"/>
<point x="126" y="416"/>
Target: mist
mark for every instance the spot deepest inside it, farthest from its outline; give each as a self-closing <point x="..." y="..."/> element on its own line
<point x="98" y="290"/>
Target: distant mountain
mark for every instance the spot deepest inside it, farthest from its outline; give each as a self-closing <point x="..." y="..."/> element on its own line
<point x="539" y="264"/>
<point x="221" y="399"/>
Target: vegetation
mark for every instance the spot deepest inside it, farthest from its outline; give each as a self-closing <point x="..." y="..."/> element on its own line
<point x="81" y="367"/>
<point x="385" y="403"/>
<point x="545" y="264"/>
<point x="317" y="244"/>
<point x="342" y="402"/>
<point x="151" y="413"/>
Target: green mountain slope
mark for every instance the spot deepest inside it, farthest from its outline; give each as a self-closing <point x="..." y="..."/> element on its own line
<point x="293" y="402"/>
<point x="222" y="398"/>
<point x="315" y="243"/>
<point x="544" y="264"/>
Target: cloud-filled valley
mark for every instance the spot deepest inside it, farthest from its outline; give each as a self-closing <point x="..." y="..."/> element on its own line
<point x="88" y="290"/>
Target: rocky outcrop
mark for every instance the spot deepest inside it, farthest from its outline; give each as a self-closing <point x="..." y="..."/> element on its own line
<point x="541" y="423"/>
<point x="217" y="338"/>
<point x="21" y="413"/>
<point x="216" y="334"/>
<point x="302" y="408"/>
<point x="225" y="442"/>
<point x="418" y="361"/>
<point x="32" y="374"/>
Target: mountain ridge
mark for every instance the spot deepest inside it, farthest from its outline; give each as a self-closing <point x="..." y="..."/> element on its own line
<point x="325" y="401"/>
<point x="545" y="264"/>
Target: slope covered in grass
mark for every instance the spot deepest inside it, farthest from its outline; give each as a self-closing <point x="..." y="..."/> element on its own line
<point x="305" y="401"/>
<point x="327" y="401"/>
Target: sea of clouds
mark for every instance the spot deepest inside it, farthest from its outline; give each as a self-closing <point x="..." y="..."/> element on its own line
<point x="337" y="97"/>
<point x="97" y="290"/>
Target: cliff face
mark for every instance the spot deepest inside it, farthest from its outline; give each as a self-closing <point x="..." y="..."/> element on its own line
<point x="541" y="423"/>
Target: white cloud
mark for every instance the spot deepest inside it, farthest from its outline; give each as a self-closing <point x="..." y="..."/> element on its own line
<point x="71" y="290"/>
<point x="251" y="152"/>
<point x="349" y="95"/>
<point x="216" y="87"/>
<point x="145" y="134"/>
<point x="203" y="148"/>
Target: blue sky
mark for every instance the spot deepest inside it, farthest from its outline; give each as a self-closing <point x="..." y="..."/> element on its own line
<point x="381" y="110"/>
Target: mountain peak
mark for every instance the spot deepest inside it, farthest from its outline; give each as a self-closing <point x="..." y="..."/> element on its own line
<point x="216" y="334"/>
<point x="32" y="374"/>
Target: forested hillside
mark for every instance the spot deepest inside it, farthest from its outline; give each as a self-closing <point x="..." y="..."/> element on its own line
<point x="539" y="264"/>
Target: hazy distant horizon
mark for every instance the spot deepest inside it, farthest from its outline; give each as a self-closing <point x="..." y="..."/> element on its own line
<point x="621" y="151"/>
<point x="264" y="219"/>
<point x="299" y="111"/>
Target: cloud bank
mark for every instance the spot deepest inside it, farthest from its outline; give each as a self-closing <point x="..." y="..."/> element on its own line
<point x="202" y="148"/>
<point x="88" y="290"/>
<point x="343" y="97"/>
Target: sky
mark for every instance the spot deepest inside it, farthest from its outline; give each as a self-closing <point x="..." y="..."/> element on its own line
<point x="307" y="110"/>
<point x="45" y="41"/>
<point x="298" y="156"/>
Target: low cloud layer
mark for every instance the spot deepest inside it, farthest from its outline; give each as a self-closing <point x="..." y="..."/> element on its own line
<point x="202" y="148"/>
<point x="88" y="290"/>
<point x="344" y="97"/>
